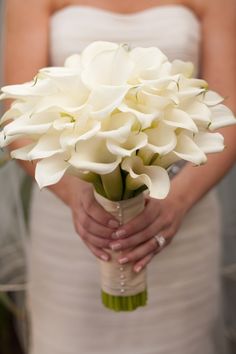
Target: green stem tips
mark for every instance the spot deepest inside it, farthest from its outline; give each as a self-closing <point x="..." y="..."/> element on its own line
<point x="124" y="303"/>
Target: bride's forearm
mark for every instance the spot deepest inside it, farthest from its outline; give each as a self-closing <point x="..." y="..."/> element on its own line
<point x="193" y="182"/>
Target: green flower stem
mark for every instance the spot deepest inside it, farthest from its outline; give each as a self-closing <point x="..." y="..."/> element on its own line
<point x="146" y="155"/>
<point x="128" y="193"/>
<point x="124" y="303"/>
<point x="96" y="182"/>
<point x="113" y="185"/>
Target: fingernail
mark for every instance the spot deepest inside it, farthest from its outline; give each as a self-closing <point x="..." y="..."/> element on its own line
<point x="120" y="233"/>
<point x="115" y="246"/>
<point x="137" y="269"/>
<point x="123" y="260"/>
<point x="114" y="236"/>
<point x="113" y="224"/>
<point x="104" y="257"/>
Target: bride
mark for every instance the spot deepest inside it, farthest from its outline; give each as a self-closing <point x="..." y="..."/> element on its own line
<point x="69" y="229"/>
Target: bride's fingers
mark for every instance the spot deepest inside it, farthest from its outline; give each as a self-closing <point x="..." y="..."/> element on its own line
<point x="140" y="222"/>
<point x="99" y="253"/>
<point x="91" y="225"/>
<point x="139" y="238"/>
<point x="139" y="253"/>
<point x="94" y="240"/>
<point x="96" y="212"/>
<point x="138" y="266"/>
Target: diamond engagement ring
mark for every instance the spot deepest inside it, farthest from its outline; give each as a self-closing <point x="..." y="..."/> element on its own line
<point x="160" y="240"/>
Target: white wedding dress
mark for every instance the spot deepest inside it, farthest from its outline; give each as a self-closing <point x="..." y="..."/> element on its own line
<point x="67" y="316"/>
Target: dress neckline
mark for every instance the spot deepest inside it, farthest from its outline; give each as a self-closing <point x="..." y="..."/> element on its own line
<point x="127" y="15"/>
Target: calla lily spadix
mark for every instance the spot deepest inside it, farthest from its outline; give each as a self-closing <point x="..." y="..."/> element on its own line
<point x="118" y="118"/>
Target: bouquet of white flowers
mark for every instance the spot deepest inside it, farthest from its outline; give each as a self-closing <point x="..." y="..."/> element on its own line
<point x="118" y="118"/>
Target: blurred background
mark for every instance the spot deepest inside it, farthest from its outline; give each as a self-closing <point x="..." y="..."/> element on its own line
<point x="13" y="323"/>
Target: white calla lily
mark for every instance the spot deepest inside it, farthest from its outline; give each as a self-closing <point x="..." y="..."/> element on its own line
<point x="48" y="145"/>
<point x="154" y="177"/>
<point x="108" y="67"/>
<point x="142" y="113"/>
<point x="23" y="152"/>
<point x="105" y="99"/>
<point x="161" y="139"/>
<point x="94" y="49"/>
<point x="190" y="92"/>
<point x="162" y="83"/>
<point x="157" y="101"/>
<point x="74" y="62"/>
<point x="70" y="137"/>
<point x="117" y="126"/>
<point x="166" y="161"/>
<point x="24" y="106"/>
<point x="64" y="122"/>
<point x="93" y="155"/>
<point x="32" y="88"/>
<point x="198" y="111"/>
<point x="56" y="71"/>
<point x="70" y="85"/>
<point x="191" y="88"/>
<point x="182" y="67"/>
<point x="12" y="113"/>
<point x="60" y="102"/>
<point x="188" y="150"/>
<point x="209" y="142"/>
<point x="35" y="124"/>
<point x="50" y="170"/>
<point x="190" y="83"/>
<point x="221" y="116"/>
<point x="212" y="98"/>
<point x="145" y="59"/>
<point x="134" y="142"/>
<point x="179" y="119"/>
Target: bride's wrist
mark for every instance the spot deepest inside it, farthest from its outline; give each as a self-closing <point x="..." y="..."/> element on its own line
<point x="68" y="188"/>
<point x="181" y="198"/>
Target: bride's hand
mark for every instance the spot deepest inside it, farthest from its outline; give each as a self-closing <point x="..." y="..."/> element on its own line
<point x="92" y="223"/>
<point x="136" y="238"/>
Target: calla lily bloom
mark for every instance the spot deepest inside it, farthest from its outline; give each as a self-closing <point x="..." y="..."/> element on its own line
<point x="154" y="177"/>
<point x="93" y="155"/>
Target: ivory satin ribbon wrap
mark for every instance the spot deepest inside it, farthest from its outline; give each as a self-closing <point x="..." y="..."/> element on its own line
<point x="116" y="279"/>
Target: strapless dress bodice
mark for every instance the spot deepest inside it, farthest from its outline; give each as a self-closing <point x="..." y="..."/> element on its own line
<point x="175" y="29"/>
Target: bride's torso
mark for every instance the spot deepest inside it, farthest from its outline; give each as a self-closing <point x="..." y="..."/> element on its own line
<point x="175" y="29"/>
